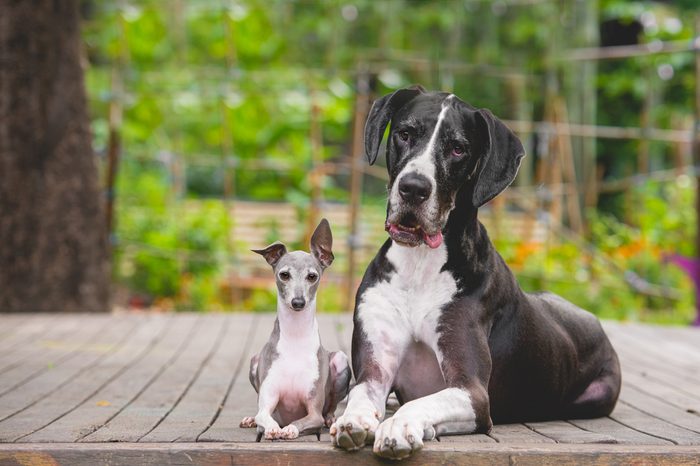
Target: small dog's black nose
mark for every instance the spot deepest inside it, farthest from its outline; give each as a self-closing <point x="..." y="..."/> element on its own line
<point x="414" y="188"/>
<point x="298" y="303"/>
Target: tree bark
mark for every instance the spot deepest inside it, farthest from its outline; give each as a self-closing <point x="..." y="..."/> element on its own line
<point x="53" y="243"/>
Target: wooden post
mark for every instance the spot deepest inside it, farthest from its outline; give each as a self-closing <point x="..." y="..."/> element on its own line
<point x="362" y="97"/>
<point x="316" y="172"/>
<point x="643" y="163"/>
<point x="696" y="153"/>
<point x="114" y="122"/>
<point x="566" y="157"/>
<point x="227" y="156"/>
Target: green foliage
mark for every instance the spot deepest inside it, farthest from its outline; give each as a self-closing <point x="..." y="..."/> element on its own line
<point x="167" y="248"/>
<point x="597" y="281"/>
<point x="216" y="91"/>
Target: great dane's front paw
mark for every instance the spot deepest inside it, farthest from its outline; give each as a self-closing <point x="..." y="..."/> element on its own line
<point x="353" y="431"/>
<point x="398" y="437"/>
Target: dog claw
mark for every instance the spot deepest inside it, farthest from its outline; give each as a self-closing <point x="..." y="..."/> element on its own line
<point x="318" y="436"/>
<point x="258" y="437"/>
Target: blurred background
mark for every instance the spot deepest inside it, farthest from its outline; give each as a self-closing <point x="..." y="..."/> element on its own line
<point x="223" y="125"/>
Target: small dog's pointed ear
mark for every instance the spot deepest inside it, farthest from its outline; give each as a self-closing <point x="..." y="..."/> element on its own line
<point x="382" y="111"/>
<point x="501" y="154"/>
<point x="273" y="253"/>
<point x="322" y="244"/>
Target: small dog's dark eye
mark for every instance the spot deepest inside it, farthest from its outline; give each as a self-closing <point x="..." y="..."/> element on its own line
<point x="312" y="277"/>
<point x="284" y="276"/>
<point x="403" y="135"/>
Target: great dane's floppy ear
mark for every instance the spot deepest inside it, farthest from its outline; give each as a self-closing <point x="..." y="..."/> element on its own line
<point x="502" y="152"/>
<point x="322" y="244"/>
<point x="273" y="253"/>
<point x="380" y="115"/>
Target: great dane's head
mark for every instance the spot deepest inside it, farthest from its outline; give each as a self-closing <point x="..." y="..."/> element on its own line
<point x="438" y="147"/>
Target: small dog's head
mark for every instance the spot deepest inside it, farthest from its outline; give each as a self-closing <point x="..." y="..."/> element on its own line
<point x="298" y="273"/>
<point x="440" y="151"/>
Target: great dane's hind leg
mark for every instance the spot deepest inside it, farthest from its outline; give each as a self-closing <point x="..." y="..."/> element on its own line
<point x="600" y="397"/>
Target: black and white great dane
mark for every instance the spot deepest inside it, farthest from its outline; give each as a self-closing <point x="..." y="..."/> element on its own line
<point x="439" y="318"/>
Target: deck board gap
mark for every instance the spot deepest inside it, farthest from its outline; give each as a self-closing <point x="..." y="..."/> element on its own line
<point x="207" y="358"/>
<point x="239" y="367"/>
<point x="115" y="376"/>
<point x="155" y="376"/>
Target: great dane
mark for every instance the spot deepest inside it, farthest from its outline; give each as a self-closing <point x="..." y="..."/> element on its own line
<point x="439" y="318"/>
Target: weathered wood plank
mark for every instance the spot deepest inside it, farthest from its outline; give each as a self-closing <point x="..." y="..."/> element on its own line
<point x="35" y="350"/>
<point x="81" y="388"/>
<point x="104" y="336"/>
<point x="197" y="409"/>
<point x="620" y="432"/>
<point x="651" y="384"/>
<point x="565" y="432"/>
<point x="435" y="453"/>
<point x="678" y="357"/>
<point x="641" y="358"/>
<point x="517" y="433"/>
<point x="109" y="401"/>
<point x="15" y="331"/>
<point x="242" y="401"/>
<point x="636" y="419"/>
<point x="662" y="410"/>
<point x="154" y="403"/>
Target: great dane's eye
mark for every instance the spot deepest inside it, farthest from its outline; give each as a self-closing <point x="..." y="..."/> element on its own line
<point x="284" y="276"/>
<point x="458" y="150"/>
<point x="404" y="136"/>
<point x="311" y="277"/>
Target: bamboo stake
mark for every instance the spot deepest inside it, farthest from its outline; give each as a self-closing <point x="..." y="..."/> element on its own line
<point x="229" y="171"/>
<point x="115" y="117"/>
<point x="362" y="97"/>
<point x="315" y="175"/>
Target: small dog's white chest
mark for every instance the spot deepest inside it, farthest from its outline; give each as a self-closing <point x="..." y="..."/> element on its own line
<point x="295" y="371"/>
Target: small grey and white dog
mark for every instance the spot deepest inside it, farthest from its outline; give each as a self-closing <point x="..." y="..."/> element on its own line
<point x="299" y="383"/>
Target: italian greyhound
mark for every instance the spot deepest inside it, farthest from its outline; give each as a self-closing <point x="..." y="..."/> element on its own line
<point x="299" y="383"/>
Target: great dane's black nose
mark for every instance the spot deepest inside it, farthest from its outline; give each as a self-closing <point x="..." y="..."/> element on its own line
<point x="414" y="188"/>
<point x="298" y="303"/>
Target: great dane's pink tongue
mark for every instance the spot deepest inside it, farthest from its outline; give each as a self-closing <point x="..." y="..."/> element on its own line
<point x="433" y="241"/>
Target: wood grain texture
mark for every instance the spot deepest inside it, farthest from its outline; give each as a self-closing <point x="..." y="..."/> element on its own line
<point x="310" y="454"/>
<point x="160" y="383"/>
<point x="87" y="384"/>
<point x="198" y="408"/>
<point x="69" y="359"/>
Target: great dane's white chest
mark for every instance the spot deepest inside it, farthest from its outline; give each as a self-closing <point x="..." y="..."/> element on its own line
<point x="409" y="304"/>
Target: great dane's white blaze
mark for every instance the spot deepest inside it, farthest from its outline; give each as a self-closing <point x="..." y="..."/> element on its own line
<point x="424" y="165"/>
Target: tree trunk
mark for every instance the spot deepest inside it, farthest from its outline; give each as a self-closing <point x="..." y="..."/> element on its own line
<point x="53" y="244"/>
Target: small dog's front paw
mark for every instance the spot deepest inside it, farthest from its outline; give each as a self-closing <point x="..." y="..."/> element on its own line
<point x="271" y="433"/>
<point x="353" y="431"/>
<point x="398" y="437"/>
<point x="247" y="422"/>
<point x="289" y="432"/>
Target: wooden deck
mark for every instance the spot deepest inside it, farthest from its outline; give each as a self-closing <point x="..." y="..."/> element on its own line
<point x="173" y="388"/>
